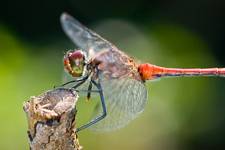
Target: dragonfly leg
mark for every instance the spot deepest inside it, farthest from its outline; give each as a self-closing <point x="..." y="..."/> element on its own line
<point x="78" y="84"/>
<point x="69" y="82"/>
<point x="86" y="91"/>
<point x="89" y="89"/>
<point x="76" y="80"/>
<point x="104" y="112"/>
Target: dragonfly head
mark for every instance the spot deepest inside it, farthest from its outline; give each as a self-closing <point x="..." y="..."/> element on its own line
<point x="74" y="62"/>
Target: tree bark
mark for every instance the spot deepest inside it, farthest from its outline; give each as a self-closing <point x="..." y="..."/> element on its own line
<point x="51" y="120"/>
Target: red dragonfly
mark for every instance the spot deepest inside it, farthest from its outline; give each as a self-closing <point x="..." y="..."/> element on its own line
<point x="117" y="78"/>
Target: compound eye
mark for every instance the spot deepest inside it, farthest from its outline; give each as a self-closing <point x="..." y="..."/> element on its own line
<point x="74" y="63"/>
<point x="78" y="54"/>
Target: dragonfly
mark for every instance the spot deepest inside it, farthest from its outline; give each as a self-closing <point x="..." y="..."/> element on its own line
<point x="116" y="77"/>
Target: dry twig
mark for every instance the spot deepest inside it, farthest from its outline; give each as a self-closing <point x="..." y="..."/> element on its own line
<point x="51" y="120"/>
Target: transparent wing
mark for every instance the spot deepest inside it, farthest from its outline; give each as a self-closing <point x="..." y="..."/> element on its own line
<point x="125" y="99"/>
<point x="83" y="37"/>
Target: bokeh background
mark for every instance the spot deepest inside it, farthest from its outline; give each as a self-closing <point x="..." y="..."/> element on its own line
<point x="181" y="114"/>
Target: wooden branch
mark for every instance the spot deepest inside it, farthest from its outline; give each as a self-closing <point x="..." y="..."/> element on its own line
<point x="51" y="120"/>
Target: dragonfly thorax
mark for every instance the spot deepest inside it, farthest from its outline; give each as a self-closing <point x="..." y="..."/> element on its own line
<point x="74" y="62"/>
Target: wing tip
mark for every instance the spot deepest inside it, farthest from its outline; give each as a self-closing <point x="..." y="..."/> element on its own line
<point x="64" y="16"/>
<point x="66" y="19"/>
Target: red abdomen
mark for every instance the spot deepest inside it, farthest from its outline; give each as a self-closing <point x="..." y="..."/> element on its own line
<point x="149" y="71"/>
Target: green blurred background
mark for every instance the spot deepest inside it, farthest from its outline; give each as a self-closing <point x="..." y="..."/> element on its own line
<point x="181" y="114"/>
